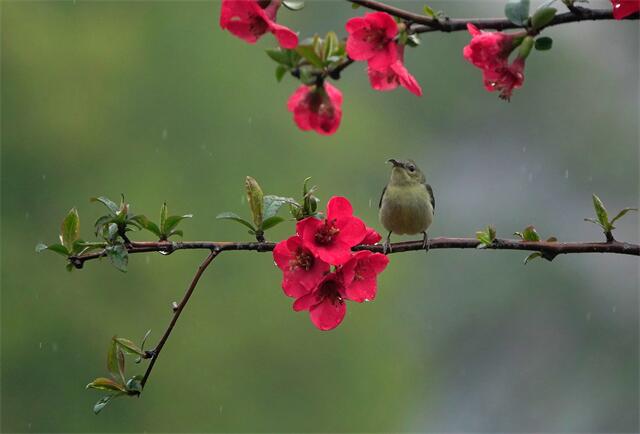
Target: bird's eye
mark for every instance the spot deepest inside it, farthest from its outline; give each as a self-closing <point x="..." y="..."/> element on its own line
<point x="411" y="168"/>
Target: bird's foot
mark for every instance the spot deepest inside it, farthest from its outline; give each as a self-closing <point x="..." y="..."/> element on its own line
<point x="386" y="246"/>
<point x="425" y="242"/>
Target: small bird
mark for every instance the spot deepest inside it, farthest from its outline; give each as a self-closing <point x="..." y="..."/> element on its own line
<point x="407" y="202"/>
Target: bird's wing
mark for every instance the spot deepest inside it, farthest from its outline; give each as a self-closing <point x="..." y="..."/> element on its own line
<point x="381" y="196"/>
<point x="433" y="199"/>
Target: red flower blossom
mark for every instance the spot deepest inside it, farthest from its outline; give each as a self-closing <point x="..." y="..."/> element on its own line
<point x="249" y="21"/>
<point x="325" y="304"/>
<point x="301" y="270"/>
<point x="394" y="74"/>
<point x="331" y="239"/>
<point x="371" y="237"/>
<point x="624" y="8"/>
<point x="360" y="274"/>
<point x="488" y="50"/>
<point x="505" y="78"/>
<point x="371" y="38"/>
<point x="317" y="108"/>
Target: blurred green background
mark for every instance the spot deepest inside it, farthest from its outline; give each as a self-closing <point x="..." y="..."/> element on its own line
<point x="153" y="100"/>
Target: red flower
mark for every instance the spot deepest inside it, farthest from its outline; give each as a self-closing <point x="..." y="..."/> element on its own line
<point x="624" y="8"/>
<point x="371" y="38"/>
<point x="360" y="274"/>
<point x="331" y="239"/>
<point x="488" y="50"/>
<point x="301" y="270"/>
<point x="317" y="108"/>
<point x="371" y="237"/>
<point x="326" y="303"/>
<point x="505" y="78"/>
<point x="248" y="21"/>
<point x="390" y="76"/>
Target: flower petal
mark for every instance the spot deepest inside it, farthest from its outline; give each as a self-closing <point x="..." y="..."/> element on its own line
<point x="339" y="207"/>
<point x="306" y="302"/>
<point x="328" y="314"/>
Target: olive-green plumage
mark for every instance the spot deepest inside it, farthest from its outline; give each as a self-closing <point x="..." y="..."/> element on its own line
<point x="407" y="202"/>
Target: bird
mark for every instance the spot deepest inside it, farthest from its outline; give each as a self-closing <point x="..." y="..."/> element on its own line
<point x="407" y="203"/>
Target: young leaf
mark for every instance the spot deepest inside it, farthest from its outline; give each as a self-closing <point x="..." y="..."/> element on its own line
<point x="621" y="214"/>
<point x="70" y="230"/>
<point x="235" y="217"/>
<point x="271" y="222"/>
<point x="309" y="53"/>
<point x="517" y="11"/>
<point x="331" y="44"/>
<point x="106" y="384"/>
<point x="532" y="256"/>
<point x="280" y="56"/>
<point x="544" y="43"/>
<point x="486" y="237"/>
<point x="148" y="225"/>
<point x="108" y="203"/>
<point x="58" y="248"/>
<point x="428" y="11"/>
<point x="281" y="71"/>
<point x="530" y="234"/>
<point x="601" y="213"/>
<point x="113" y="362"/>
<point x="255" y="199"/>
<point x="163" y="216"/>
<point x="129" y="347"/>
<point x="119" y="256"/>
<point x="272" y="205"/>
<point x="172" y="222"/>
<point x="542" y="17"/>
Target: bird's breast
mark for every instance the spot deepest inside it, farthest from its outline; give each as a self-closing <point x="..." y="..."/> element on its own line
<point x="406" y="210"/>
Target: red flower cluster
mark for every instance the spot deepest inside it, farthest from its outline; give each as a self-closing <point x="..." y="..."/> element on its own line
<point x="248" y="20"/>
<point x="624" y="8"/>
<point x="306" y="260"/>
<point x="490" y="52"/>
<point x="317" y="108"/>
<point x="372" y="38"/>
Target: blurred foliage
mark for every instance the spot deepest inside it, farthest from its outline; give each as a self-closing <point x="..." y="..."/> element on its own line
<point x="153" y="99"/>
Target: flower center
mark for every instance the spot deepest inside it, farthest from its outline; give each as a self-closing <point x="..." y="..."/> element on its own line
<point x="303" y="260"/>
<point x="330" y="289"/>
<point x="377" y="38"/>
<point x="327" y="233"/>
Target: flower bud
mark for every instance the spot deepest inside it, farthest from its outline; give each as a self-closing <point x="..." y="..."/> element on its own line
<point x="255" y="199"/>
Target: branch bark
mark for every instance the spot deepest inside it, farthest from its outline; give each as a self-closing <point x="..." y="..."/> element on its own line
<point x="177" y="311"/>
<point x="550" y="249"/>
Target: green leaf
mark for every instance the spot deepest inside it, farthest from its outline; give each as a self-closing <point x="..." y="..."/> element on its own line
<point x="106" y="384"/>
<point x="532" y="256"/>
<point x="113" y="364"/>
<point x="601" y="213"/>
<point x="530" y="234"/>
<point x="272" y="204"/>
<point x="355" y="5"/>
<point x="594" y="221"/>
<point x="293" y="5"/>
<point x="172" y="222"/>
<point x="148" y="225"/>
<point x="542" y="17"/>
<point x="331" y="45"/>
<point x="70" y="230"/>
<point x="281" y="71"/>
<point x="486" y="237"/>
<point x="525" y="47"/>
<point x="255" y="200"/>
<point x="129" y="347"/>
<point x="517" y="11"/>
<point x="108" y="203"/>
<point x="309" y="53"/>
<point x="428" y="11"/>
<point x="280" y="56"/>
<point x="544" y="43"/>
<point x="235" y="217"/>
<point x="621" y="214"/>
<point x="177" y="232"/>
<point x="58" y="248"/>
<point x="118" y="256"/>
<point x="271" y="222"/>
<point x="163" y="217"/>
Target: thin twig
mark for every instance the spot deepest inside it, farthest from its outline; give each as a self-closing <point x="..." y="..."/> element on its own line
<point x="550" y="248"/>
<point x="177" y="311"/>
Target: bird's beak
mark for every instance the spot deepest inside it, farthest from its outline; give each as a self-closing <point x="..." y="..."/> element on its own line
<point x="395" y="163"/>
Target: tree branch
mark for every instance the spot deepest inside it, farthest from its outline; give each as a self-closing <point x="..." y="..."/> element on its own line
<point x="549" y="249"/>
<point x="429" y="24"/>
<point x="177" y="310"/>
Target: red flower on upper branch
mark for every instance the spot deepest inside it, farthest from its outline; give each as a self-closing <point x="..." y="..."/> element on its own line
<point x="624" y="8"/>
<point x="393" y="75"/>
<point x="371" y="38"/>
<point x="317" y="108"/>
<point x="248" y="20"/>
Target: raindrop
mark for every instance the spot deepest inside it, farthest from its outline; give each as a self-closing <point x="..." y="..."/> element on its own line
<point x="164" y="253"/>
<point x="369" y="202"/>
<point x="588" y="316"/>
<point x="524" y="149"/>
<point x="530" y="177"/>
<point x="566" y="174"/>
<point x="165" y="134"/>
<point x="250" y="120"/>
<point x="40" y="345"/>
<point x="27" y="215"/>
<point x="44" y="176"/>
<point x="366" y="300"/>
<point x="614" y="309"/>
<point x="220" y="409"/>
<point x="147" y="259"/>
<point x="54" y="346"/>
